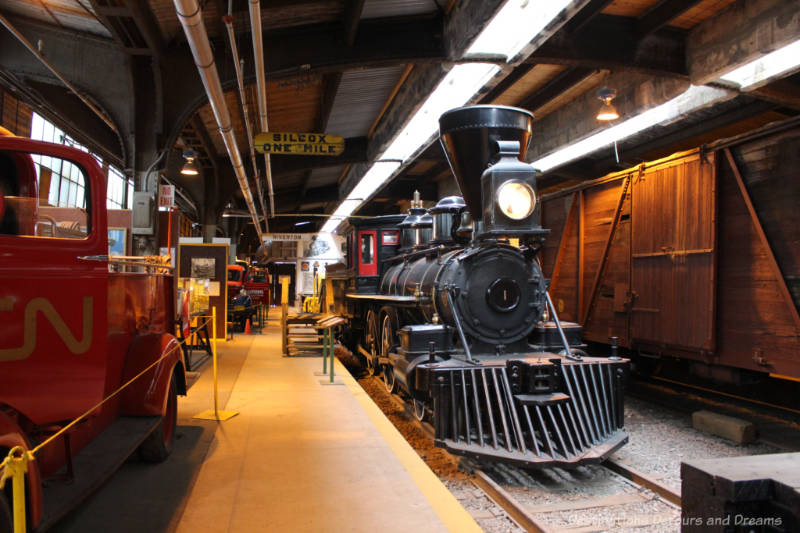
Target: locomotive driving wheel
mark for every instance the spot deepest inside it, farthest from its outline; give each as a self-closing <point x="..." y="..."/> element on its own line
<point x="389" y="327"/>
<point x="372" y="342"/>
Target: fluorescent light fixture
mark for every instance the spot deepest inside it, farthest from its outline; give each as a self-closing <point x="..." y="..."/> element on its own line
<point x="374" y="179"/>
<point x="763" y="69"/>
<point x="455" y="90"/>
<point x="514" y="26"/>
<point x="693" y="98"/>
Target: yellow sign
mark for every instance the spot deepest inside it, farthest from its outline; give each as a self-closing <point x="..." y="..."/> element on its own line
<point x="299" y="143"/>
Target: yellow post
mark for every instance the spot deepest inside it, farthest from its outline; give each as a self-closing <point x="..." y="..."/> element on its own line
<point x="214" y="355"/>
<point x="284" y="312"/>
<point x="216" y="414"/>
<point x="285" y="290"/>
<point x="329" y="304"/>
<point x="15" y="469"/>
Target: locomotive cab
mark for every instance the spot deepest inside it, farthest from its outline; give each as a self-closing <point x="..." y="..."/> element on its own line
<point x="369" y="245"/>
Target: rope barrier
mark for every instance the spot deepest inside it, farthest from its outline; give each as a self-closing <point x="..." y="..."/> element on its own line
<point x="15" y="465"/>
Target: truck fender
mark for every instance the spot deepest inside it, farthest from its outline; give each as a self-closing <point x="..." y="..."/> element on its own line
<point x="147" y="395"/>
<point x="12" y="435"/>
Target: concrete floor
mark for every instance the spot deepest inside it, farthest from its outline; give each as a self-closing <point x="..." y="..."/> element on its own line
<point x="300" y="456"/>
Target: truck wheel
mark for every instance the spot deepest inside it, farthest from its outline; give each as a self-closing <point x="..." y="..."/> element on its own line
<point x="6" y="524"/>
<point x="158" y="445"/>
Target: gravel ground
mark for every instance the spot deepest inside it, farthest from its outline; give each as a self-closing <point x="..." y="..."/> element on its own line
<point x="660" y="439"/>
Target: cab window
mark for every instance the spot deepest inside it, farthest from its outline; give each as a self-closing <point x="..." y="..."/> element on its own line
<point x="43" y="196"/>
<point x="234" y="275"/>
<point x="367" y="248"/>
<point x="257" y="277"/>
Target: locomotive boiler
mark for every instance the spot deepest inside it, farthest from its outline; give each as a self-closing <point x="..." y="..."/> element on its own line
<point x="455" y="313"/>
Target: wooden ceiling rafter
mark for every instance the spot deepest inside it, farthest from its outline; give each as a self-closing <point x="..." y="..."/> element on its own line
<point x="556" y="86"/>
<point x="585" y="15"/>
<point x="662" y="14"/>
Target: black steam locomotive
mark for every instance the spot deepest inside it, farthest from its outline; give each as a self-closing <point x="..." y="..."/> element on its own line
<point x="450" y="305"/>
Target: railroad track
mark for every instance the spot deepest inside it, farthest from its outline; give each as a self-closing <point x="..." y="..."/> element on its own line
<point x="606" y="497"/>
<point x="778" y="426"/>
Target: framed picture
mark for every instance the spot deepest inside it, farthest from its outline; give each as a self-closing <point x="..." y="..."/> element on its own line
<point x="117" y="244"/>
<point x="203" y="267"/>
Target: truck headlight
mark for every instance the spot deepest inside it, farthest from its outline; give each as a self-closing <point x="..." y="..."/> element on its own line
<point x="516" y="199"/>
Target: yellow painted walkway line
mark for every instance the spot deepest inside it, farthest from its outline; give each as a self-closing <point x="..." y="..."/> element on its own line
<point x="449" y="510"/>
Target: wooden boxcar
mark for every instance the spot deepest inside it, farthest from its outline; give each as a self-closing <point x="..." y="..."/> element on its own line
<point x="696" y="255"/>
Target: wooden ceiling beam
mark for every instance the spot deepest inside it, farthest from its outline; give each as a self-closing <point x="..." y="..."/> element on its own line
<point x="330" y="83"/>
<point x="555" y="87"/>
<point x="585" y="15"/>
<point x="381" y="42"/>
<point x="199" y="129"/>
<point x="517" y="74"/>
<point x="662" y="14"/>
<point x="783" y="92"/>
<point x="352" y="17"/>
<point x="609" y="42"/>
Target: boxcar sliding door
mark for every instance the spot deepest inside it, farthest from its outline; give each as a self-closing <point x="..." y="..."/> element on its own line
<point x="673" y="256"/>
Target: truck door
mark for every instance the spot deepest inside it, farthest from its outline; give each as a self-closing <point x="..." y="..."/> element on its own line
<point x="53" y="280"/>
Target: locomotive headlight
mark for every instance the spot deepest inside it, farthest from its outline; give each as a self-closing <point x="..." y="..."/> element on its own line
<point x="516" y="199"/>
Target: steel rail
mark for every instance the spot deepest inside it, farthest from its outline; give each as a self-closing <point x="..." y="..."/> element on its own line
<point x="643" y="480"/>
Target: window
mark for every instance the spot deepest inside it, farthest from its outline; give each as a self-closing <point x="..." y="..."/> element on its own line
<point x="116" y="189"/>
<point x="65" y="189"/>
<point x="43" y="196"/>
<point x="367" y="249"/>
<point x="257" y="276"/>
<point x="389" y="238"/>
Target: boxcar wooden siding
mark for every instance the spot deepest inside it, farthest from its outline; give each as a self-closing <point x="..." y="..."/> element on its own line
<point x="686" y="271"/>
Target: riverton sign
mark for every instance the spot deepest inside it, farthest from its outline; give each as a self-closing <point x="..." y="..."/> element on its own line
<point x="299" y="143"/>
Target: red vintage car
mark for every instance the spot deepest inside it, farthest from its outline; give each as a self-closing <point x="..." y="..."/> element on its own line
<point x="257" y="285"/>
<point x="71" y="333"/>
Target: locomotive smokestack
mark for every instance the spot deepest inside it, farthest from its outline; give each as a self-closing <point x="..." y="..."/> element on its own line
<point x="468" y="136"/>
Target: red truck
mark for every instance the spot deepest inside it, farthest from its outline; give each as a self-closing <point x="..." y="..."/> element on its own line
<point x="257" y="285"/>
<point x="235" y="280"/>
<point x="72" y="332"/>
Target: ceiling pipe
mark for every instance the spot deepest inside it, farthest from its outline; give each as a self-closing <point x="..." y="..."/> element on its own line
<point x="261" y="82"/>
<point x="32" y="49"/>
<point x="228" y="19"/>
<point x="191" y="19"/>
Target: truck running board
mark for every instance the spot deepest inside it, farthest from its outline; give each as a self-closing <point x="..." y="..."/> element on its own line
<point x="94" y="464"/>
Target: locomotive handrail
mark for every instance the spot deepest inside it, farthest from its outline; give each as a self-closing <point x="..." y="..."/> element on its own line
<point x="383" y="297"/>
<point x="15" y="465"/>
<point x="457" y="320"/>
<point x="419" y="253"/>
